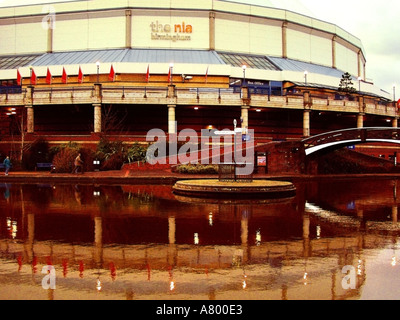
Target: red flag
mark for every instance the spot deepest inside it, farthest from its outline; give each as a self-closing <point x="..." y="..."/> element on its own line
<point x="80" y="76"/>
<point x="19" y="78"/>
<point x="33" y="77"/>
<point x="48" y="76"/>
<point x="148" y="74"/>
<point x="398" y="104"/>
<point x="111" y="76"/>
<point x="169" y="75"/>
<point x="64" y="77"/>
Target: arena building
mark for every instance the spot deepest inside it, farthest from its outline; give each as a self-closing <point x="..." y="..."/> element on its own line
<point x="72" y="71"/>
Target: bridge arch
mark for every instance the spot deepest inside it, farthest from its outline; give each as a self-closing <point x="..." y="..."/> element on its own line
<point x="338" y="139"/>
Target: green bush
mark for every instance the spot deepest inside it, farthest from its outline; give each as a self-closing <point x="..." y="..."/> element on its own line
<point x="197" y="169"/>
<point x="136" y="153"/>
<point x="108" y="148"/>
<point x="112" y="154"/>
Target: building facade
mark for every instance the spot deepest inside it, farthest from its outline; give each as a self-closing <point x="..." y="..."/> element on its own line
<point x="75" y="70"/>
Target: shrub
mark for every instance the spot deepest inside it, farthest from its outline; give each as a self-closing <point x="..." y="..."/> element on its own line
<point x="113" y="162"/>
<point x="87" y="156"/>
<point x="108" y="148"/>
<point x="56" y="149"/>
<point x="65" y="157"/>
<point x="197" y="169"/>
<point x="136" y="153"/>
<point x="112" y="154"/>
<point x="64" y="160"/>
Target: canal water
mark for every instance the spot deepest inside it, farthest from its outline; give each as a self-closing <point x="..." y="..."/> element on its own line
<point x="336" y="239"/>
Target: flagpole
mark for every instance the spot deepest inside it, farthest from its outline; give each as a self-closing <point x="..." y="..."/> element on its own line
<point x="171" y="68"/>
<point x="98" y="70"/>
<point x="148" y="73"/>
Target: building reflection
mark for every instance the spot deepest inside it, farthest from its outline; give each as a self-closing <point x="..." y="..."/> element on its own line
<point x="146" y="244"/>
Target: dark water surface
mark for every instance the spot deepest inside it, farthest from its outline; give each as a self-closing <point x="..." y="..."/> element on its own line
<point x="145" y="243"/>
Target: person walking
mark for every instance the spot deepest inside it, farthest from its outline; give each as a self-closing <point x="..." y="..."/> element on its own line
<point x="7" y="165"/>
<point x="78" y="164"/>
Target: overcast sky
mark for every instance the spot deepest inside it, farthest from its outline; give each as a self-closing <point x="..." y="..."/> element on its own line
<point x="375" y="23"/>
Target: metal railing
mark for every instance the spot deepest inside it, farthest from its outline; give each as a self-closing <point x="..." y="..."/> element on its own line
<point x="186" y="95"/>
<point x="361" y="134"/>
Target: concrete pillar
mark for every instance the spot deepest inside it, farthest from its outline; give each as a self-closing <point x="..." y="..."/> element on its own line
<point x="245" y="117"/>
<point x="171" y="120"/>
<point x="97" y="118"/>
<point x="97" y="100"/>
<point x="50" y="33"/>
<point x="171" y="230"/>
<point x="360" y="120"/>
<point x="306" y="235"/>
<point x="306" y="113"/>
<point x="212" y="31"/>
<point x="98" y="241"/>
<point x="244" y="230"/>
<point x="245" y="106"/>
<point x="244" y="91"/>
<point x="306" y="123"/>
<point x="361" y="104"/>
<point x="29" y="109"/>
<point x="172" y="252"/>
<point x="31" y="236"/>
<point x="284" y="40"/>
<point x="30" y="119"/>
<point x="394" y="213"/>
<point x="306" y="226"/>
<point x="245" y="211"/>
<point x="128" y="32"/>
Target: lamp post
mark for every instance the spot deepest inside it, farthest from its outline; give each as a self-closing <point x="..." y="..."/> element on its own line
<point x="244" y="67"/>
<point x="394" y="92"/>
<point x="305" y="76"/>
<point x="98" y="71"/>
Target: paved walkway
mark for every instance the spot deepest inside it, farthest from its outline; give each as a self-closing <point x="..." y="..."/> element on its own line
<point x="154" y="176"/>
<point x="118" y="176"/>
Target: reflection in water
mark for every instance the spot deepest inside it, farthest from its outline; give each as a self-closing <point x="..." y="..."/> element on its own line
<point x="142" y="242"/>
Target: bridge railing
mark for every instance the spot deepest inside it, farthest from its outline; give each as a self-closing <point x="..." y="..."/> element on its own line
<point x="361" y="134"/>
<point x="187" y="96"/>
